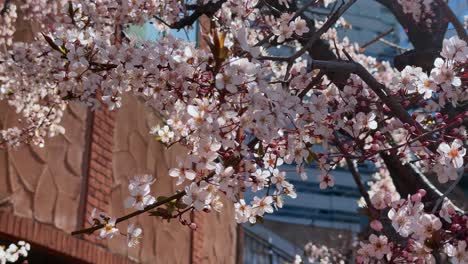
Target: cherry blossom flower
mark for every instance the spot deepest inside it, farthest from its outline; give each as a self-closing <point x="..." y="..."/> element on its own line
<point x="453" y="153"/>
<point x="112" y="101"/>
<point x="365" y="121"/>
<point x="445" y="172"/>
<point x="422" y="253"/>
<point x="289" y="190"/>
<point x="364" y="253"/>
<point x="278" y="178"/>
<point x="326" y="181"/>
<point x="184" y="171"/>
<point x="300" y="26"/>
<point x="447" y="210"/>
<point x="215" y="102"/>
<point x="379" y="246"/>
<point x="109" y="230"/>
<point x="426" y="86"/>
<point x="13" y="252"/>
<point x="401" y="221"/>
<point x="97" y="217"/>
<point x="243" y="211"/>
<point x="165" y="134"/>
<point x="444" y="74"/>
<point x="133" y="235"/>
<point x="141" y="181"/>
<point x="459" y="253"/>
<point x="258" y="180"/>
<point x="376" y="225"/>
<point x="426" y="225"/>
<point x="455" y="49"/>
<point x="297" y="259"/>
<point x="139" y="198"/>
<point x="260" y="206"/>
<point x="197" y="196"/>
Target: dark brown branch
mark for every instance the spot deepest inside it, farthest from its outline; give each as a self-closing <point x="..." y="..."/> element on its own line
<point x="207" y="9"/>
<point x="352" y="168"/>
<point x="378" y="88"/>
<point x="6" y="5"/>
<point x="413" y="180"/>
<point x="453" y="19"/>
<point x="421" y="36"/>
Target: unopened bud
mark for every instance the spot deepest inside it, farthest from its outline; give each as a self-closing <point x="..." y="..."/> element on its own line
<point x="422" y="192"/>
<point x="416" y="197"/>
<point x="376" y="225"/>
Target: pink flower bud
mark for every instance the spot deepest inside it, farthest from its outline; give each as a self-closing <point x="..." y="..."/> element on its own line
<point x="416" y="197"/>
<point x="376" y="225"/>
<point x="193" y="226"/>
<point x="422" y="192"/>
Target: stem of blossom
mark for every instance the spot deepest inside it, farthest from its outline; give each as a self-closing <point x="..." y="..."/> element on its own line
<point x="453" y="19"/>
<point x="356" y="176"/>
<point x="317" y="79"/>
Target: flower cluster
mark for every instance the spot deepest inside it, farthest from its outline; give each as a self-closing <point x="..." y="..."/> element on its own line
<point x="239" y="112"/>
<point x="139" y="189"/>
<point x="420" y="10"/>
<point x="14" y="252"/>
<point x="421" y="234"/>
<point x="322" y="254"/>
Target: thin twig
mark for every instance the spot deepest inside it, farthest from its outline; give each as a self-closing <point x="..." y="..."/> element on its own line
<point x="376" y="38"/>
<point x="393" y="45"/>
<point x="356" y="176"/>
<point x="126" y="217"/>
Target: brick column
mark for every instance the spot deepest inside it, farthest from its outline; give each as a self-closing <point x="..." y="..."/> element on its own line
<point x="99" y="171"/>
<point x="197" y="239"/>
<point x="197" y="235"/>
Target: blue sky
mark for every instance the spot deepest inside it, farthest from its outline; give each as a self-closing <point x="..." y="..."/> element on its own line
<point x="149" y="32"/>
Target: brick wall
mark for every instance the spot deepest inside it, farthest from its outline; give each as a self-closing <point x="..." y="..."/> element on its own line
<point x="56" y="240"/>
